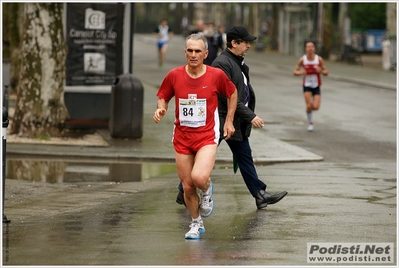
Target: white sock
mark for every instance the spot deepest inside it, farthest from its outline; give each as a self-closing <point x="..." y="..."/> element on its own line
<point x="309" y="114"/>
<point x="197" y="219"/>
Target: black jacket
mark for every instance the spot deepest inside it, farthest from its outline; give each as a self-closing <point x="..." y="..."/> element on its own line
<point x="235" y="69"/>
<point x="215" y="43"/>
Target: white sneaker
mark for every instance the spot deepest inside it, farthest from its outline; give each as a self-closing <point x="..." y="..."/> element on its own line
<point x="197" y="228"/>
<point x="310" y="127"/>
<point x="206" y="203"/>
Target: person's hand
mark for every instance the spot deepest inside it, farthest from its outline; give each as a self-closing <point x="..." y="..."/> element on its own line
<point x="228" y="130"/>
<point x="257" y="122"/>
<point x="159" y="114"/>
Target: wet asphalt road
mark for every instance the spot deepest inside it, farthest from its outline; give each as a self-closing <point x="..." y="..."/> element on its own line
<point x="138" y="223"/>
<point x="349" y="197"/>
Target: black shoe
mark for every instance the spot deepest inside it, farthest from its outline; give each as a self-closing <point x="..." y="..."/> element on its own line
<point x="180" y="198"/>
<point x="263" y="198"/>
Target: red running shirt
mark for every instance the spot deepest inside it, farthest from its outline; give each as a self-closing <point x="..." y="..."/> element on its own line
<point x="196" y="99"/>
<point x="312" y="78"/>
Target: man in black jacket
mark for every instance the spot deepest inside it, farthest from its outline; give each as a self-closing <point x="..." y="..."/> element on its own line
<point x="231" y="61"/>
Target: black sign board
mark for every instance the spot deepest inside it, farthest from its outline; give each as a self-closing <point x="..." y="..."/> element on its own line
<point x="94" y="37"/>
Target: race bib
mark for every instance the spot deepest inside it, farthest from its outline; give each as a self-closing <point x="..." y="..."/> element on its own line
<point x="192" y="112"/>
<point x="311" y="81"/>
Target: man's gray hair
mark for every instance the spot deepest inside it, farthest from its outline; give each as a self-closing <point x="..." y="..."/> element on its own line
<point x="198" y="37"/>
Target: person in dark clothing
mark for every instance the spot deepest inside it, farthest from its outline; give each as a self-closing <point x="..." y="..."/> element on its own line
<point x="199" y="27"/>
<point x="215" y="42"/>
<point x="231" y="61"/>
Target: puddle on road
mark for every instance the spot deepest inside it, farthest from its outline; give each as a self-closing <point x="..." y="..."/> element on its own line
<point x="73" y="171"/>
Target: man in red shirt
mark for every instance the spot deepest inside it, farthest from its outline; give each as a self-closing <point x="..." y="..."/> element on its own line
<point x="195" y="87"/>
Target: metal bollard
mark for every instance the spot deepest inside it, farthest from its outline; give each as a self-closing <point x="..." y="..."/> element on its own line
<point x="4" y="134"/>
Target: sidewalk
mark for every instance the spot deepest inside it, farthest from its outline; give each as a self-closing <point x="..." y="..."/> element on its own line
<point x="155" y="145"/>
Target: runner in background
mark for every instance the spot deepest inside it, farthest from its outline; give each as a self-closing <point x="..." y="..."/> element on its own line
<point x="164" y="33"/>
<point x="311" y="66"/>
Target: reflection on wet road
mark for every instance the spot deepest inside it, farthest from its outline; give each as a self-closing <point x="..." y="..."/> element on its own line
<point x="71" y="171"/>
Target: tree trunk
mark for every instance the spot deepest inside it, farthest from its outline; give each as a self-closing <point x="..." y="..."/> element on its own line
<point x="342" y="15"/>
<point x="253" y="27"/>
<point x="177" y="27"/>
<point x="11" y="41"/>
<point x="391" y="20"/>
<point x="40" y="107"/>
<point x="273" y="27"/>
<point x="327" y="31"/>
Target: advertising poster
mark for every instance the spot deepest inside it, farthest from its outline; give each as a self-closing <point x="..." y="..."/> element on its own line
<point x="91" y="36"/>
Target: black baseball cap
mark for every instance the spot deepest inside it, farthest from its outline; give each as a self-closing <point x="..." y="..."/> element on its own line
<point x="239" y="32"/>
